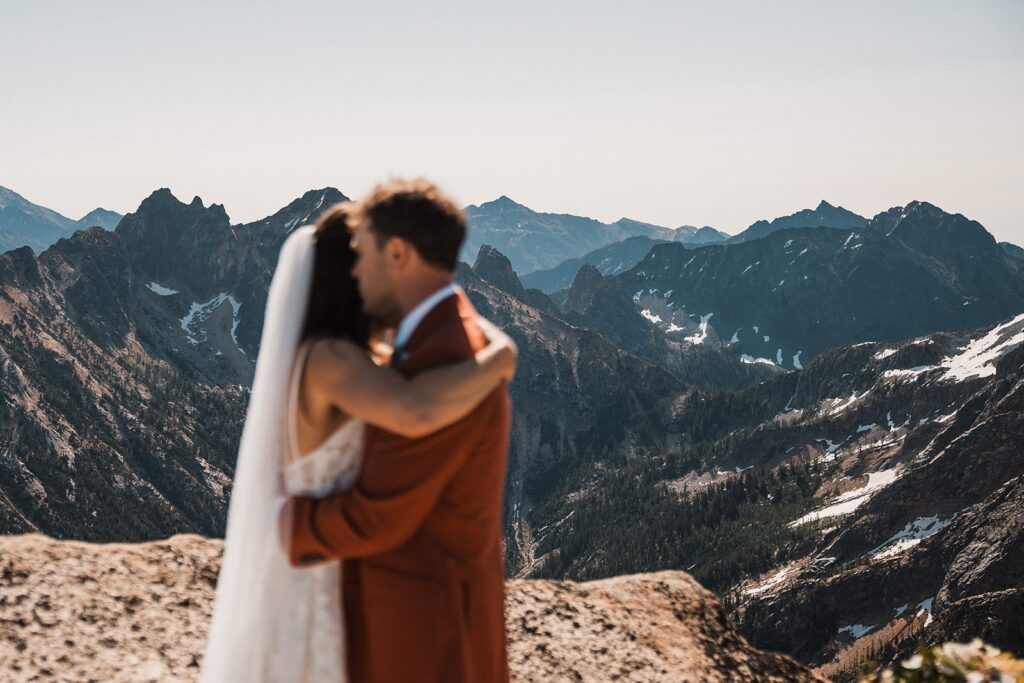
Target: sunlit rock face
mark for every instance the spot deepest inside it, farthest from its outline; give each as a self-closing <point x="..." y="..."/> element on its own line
<point x="77" y="611"/>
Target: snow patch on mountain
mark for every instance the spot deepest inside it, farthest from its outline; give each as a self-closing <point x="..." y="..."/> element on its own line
<point x="912" y="534"/>
<point x="830" y="446"/>
<point x="835" y="406"/>
<point x="851" y="500"/>
<point x="907" y="374"/>
<point x="857" y="630"/>
<point x="654" y="318"/>
<point x="978" y="357"/>
<point x="235" y="306"/>
<point x="772" y="581"/>
<point x="925" y="606"/>
<point x="702" y="331"/>
<point x="160" y="289"/>
<point x="198" y="313"/>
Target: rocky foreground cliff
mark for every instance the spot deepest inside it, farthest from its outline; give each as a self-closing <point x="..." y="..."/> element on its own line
<point x="74" y="611"/>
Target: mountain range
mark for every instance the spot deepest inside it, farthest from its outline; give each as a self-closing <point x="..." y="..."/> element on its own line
<point x="531" y="239"/>
<point x="124" y="358"/>
<point x="612" y="259"/>
<point x="786" y="297"/>
<point x="621" y="256"/>
<point x="23" y="223"/>
<point x="536" y="241"/>
<point x="873" y="468"/>
<point x="852" y="508"/>
<point x="127" y="355"/>
<point x="823" y="216"/>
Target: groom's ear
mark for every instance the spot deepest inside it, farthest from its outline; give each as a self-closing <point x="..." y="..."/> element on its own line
<point x="398" y="253"/>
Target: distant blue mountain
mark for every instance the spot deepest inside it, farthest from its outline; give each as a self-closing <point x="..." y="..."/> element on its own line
<point x="824" y="216"/>
<point x="613" y="259"/>
<point x="1012" y="249"/>
<point x="23" y="223"/>
<point x="535" y="241"/>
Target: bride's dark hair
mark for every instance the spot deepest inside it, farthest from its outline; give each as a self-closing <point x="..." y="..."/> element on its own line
<point x="335" y="308"/>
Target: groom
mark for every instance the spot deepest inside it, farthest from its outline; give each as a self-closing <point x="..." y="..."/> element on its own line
<point x="420" y="533"/>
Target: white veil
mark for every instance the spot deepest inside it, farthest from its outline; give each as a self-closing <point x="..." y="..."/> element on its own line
<point x="254" y="564"/>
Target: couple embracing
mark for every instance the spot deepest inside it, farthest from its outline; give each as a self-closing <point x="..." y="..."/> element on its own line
<point x="364" y="531"/>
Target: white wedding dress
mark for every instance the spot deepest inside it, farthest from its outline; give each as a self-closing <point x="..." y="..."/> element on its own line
<point x="273" y="623"/>
<point x="307" y="644"/>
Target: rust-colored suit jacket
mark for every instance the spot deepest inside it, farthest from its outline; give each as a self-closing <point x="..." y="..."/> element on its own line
<point x="420" y="533"/>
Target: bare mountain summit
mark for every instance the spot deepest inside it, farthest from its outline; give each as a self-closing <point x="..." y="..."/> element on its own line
<point x="77" y="611"/>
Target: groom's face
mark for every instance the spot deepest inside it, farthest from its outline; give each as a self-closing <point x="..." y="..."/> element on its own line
<point x="373" y="273"/>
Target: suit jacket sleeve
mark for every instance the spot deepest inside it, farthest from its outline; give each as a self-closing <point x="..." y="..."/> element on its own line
<point x="380" y="515"/>
<point x="361" y="522"/>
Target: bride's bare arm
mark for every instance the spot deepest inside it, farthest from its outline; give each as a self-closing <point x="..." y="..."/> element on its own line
<point x="348" y="377"/>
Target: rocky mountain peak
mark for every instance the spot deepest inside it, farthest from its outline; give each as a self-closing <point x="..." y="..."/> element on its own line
<point x="928" y="228"/>
<point x="495" y="267"/>
<point x="587" y="277"/>
<point x="8" y="196"/>
<point x="322" y="198"/>
<point x="21" y="266"/>
<point x="824" y="215"/>
<point x="300" y="211"/>
<point x="94" y="235"/>
<point x="102" y="217"/>
<point x="635" y="227"/>
<point x="557" y="630"/>
<point x="667" y="250"/>
<point x="503" y="202"/>
<point x="159" y="196"/>
<point x="707" y="235"/>
<point x="164" y="230"/>
<point x="190" y="248"/>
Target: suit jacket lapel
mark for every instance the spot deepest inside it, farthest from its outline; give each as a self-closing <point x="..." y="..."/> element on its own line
<point x="439" y="317"/>
<point x="442" y="336"/>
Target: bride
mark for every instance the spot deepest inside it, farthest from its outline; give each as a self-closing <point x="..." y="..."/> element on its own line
<point x="317" y="383"/>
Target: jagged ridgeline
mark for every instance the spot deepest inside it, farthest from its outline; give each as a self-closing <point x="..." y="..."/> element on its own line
<point x="126" y="356"/>
<point x="817" y="418"/>
<point x="535" y="241"/>
<point x="124" y="360"/>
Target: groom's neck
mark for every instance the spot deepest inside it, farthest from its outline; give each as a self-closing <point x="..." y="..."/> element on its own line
<point x="419" y="287"/>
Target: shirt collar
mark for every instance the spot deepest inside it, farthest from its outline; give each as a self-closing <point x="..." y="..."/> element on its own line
<point x="413" y="319"/>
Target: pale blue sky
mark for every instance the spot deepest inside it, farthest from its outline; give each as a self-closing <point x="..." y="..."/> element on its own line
<point x="669" y="112"/>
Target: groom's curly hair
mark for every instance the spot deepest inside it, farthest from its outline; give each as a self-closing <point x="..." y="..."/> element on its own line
<point x="420" y="213"/>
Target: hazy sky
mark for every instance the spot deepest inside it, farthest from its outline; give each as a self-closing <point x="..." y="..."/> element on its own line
<point x="669" y="112"/>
